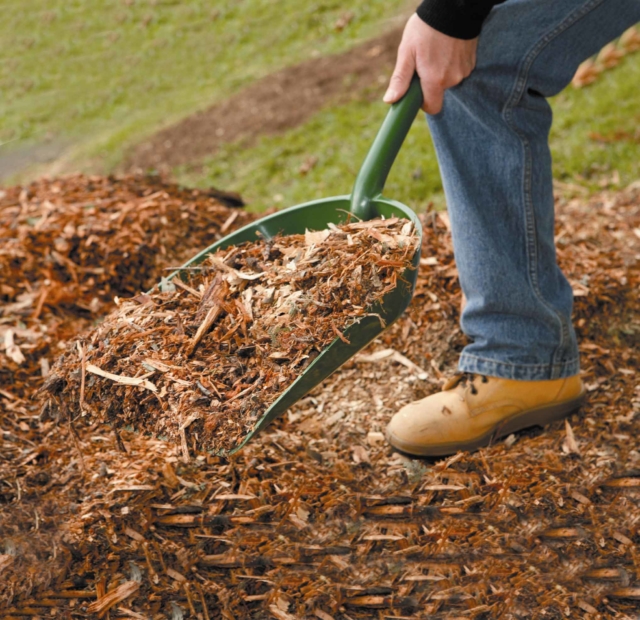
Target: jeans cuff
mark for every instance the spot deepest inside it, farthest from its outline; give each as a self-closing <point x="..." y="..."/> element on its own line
<point x="521" y="372"/>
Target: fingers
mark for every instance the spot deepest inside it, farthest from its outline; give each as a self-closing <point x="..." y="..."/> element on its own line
<point x="434" y="84"/>
<point x="402" y="75"/>
<point x="433" y="96"/>
<point x="441" y="61"/>
<point x="432" y="90"/>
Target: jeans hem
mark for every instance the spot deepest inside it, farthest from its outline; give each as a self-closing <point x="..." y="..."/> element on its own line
<point x="520" y="372"/>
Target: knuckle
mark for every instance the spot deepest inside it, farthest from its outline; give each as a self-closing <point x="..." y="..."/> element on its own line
<point x="442" y="79"/>
<point x="432" y="103"/>
<point x="437" y="82"/>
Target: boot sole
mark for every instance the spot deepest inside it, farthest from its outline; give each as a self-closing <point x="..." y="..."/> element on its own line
<point x="541" y="416"/>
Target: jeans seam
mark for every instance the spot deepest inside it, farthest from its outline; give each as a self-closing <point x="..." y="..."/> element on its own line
<point x="507" y="114"/>
<point x="517" y="372"/>
<point x="470" y="356"/>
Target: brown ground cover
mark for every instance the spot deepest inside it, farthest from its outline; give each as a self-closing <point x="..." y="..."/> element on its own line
<point x="67" y="247"/>
<point x="318" y="519"/>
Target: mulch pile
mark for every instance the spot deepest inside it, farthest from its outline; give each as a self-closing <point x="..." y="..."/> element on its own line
<point x="318" y="519"/>
<point x="67" y="247"/>
<point x="216" y="350"/>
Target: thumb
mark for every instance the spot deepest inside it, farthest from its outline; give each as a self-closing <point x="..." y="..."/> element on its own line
<point x="401" y="78"/>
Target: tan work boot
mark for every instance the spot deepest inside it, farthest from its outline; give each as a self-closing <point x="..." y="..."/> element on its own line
<point x="473" y="410"/>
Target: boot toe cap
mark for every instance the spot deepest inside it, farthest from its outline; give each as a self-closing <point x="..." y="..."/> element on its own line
<point x="419" y="427"/>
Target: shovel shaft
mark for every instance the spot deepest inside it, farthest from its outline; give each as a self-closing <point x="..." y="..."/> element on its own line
<point x="384" y="150"/>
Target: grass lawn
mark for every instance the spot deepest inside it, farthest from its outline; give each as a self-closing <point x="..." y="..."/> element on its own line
<point x="97" y="75"/>
<point x="93" y="77"/>
<point x="273" y="171"/>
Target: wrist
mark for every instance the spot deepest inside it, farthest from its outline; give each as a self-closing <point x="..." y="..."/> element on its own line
<point x="455" y="18"/>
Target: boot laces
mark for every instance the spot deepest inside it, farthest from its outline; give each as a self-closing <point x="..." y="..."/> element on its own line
<point x="465" y="378"/>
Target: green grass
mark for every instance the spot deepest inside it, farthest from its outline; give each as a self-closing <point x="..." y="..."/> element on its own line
<point x="96" y="76"/>
<point x="269" y="173"/>
<point x="608" y="107"/>
<point x="335" y="141"/>
<point x="99" y="74"/>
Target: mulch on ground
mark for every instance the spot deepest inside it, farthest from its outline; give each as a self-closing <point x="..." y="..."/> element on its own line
<point x="317" y="518"/>
<point x="67" y="247"/>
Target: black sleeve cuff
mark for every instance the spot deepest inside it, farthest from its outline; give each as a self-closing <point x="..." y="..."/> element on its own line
<point x="461" y="19"/>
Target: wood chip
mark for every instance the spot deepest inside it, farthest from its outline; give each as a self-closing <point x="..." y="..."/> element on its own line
<point x="112" y="598"/>
<point x="11" y="349"/>
<point x="570" y="445"/>
<point x="94" y="370"/>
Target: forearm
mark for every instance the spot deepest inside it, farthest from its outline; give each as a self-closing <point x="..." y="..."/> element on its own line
<point x="461" y="19"/>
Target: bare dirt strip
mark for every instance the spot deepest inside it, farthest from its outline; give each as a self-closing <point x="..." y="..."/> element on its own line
<point x="272" y="105"/>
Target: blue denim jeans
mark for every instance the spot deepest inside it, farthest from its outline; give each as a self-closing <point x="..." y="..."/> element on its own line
<point x="491" y="139"/>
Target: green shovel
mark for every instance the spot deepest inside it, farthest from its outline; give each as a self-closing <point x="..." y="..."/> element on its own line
<point x="365" y="202"/>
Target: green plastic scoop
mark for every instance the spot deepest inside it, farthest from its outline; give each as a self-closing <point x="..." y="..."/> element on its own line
<point x="365" y="202"/>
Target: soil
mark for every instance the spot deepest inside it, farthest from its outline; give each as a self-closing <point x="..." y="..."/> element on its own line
<point x="289" y="97"/>
<point x="272" y="105"/>
<point x="317" y="518"/>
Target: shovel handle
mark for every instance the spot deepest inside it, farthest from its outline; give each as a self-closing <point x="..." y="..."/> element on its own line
<point x="384" y="150"/>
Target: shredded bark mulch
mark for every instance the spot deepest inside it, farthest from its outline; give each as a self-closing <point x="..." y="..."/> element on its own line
<point x="317" y="518"/>
<point x="68" y="246"/>
<point x="215" y="351"/>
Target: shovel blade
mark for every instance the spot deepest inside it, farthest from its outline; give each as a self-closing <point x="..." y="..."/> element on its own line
<point x="317" y="215"/>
